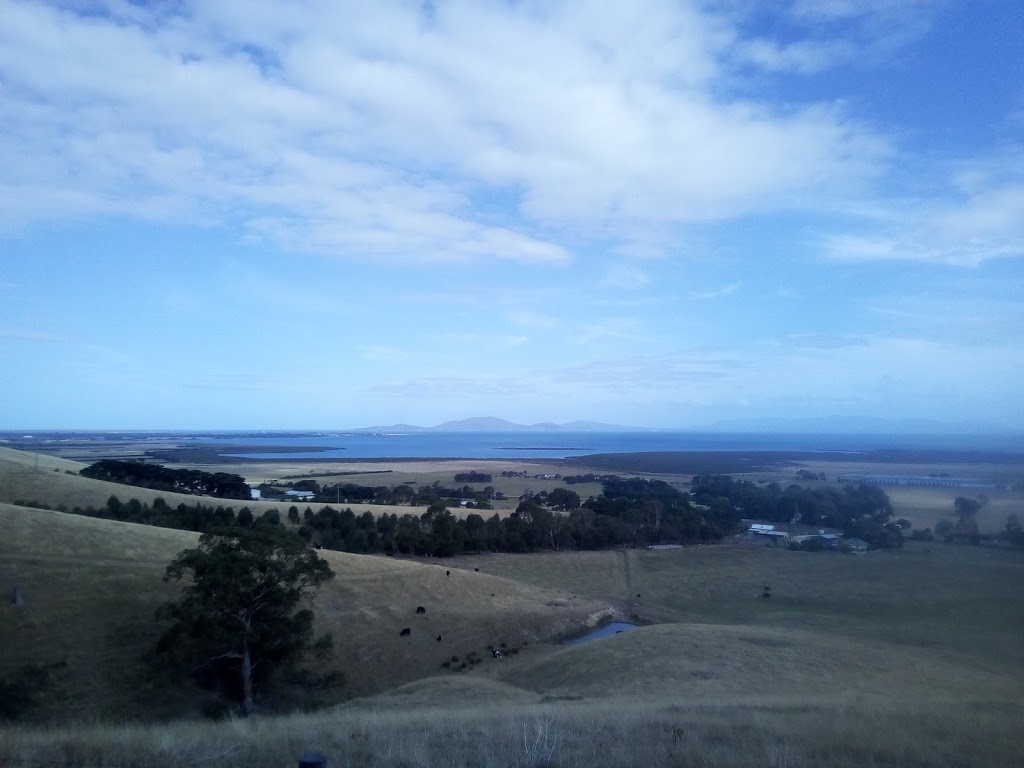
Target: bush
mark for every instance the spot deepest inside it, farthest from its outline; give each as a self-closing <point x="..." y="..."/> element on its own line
<point x="21" y="690"/>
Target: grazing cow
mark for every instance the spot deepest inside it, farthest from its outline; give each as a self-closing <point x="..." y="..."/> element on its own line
<point x="406" y="632"/>
<point x="420" y="609"/>
<point x="447" y="573"/>
<point x="439" y="638"/>
<point x="496" y="653"/>
<point x="476" y="569"/>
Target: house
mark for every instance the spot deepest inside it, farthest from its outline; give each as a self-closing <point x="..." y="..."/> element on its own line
<point x="300" y="495"/>
<point x="255" y="494"/>
<point x="855" y="545"/>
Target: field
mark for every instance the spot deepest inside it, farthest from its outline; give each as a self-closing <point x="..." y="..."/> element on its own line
<point x="908" y="658"/>
<point x="44" y="478"/>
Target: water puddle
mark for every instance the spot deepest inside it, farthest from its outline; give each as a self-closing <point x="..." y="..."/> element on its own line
<point x="605" y="630"/>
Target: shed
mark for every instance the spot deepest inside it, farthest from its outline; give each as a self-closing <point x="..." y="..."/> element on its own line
<point x="855" y="545"/>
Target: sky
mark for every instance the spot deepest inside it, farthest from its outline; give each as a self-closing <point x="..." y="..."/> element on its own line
<point x="325" y="214"/>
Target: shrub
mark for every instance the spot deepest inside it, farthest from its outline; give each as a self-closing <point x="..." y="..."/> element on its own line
<point x="21" y="690"/>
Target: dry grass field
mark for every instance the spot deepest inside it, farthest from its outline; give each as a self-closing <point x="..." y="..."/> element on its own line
<point x="91" y="587"/>
<point x="49" y="483"/>
<point x="908" y="658"/>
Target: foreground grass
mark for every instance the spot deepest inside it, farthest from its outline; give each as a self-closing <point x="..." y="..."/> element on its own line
<point x="611" y="732"/>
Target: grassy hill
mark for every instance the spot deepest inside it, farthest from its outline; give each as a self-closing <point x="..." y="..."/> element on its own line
<point x="908" y="658"/>
<point x="91" y="587"/>
<point x="40" y="478"/>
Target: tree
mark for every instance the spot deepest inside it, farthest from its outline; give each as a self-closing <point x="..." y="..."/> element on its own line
<point x="240" y="617"/>
<point x="564" y="499"/>
<point x="966" y="528"/>
<point x="944" y="529"/>
<point x="1014" y="532"/>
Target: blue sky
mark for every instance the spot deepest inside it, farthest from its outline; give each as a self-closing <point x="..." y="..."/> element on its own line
<point x="327" y="214"/>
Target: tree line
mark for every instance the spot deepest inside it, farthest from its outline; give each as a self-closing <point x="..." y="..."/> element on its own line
<point x="400" y="495"/>
<point x="159" y="478"/>
<point x="629" y="512"/>
<point x="862" y="512"/>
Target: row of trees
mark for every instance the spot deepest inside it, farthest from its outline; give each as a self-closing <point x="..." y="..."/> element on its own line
<point x="629" y="512"/>
<point x="400" y="495"/>
<point x="221" y="484"/>
<point x="863" y="511"/>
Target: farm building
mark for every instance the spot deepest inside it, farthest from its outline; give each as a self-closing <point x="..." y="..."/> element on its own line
<point x="854" y="545"/>
<point x="766" y="530"/>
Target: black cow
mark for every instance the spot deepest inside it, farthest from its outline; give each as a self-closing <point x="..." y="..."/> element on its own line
<point x="420" y="609"/>
<point x="406" y="632"/>
<point x="439" y="638"/>
<point x="447" y="573"/>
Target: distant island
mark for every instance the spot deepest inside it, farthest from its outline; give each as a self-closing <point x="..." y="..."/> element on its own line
<point x="837" y="425"/>
<point x="493" y="424"/>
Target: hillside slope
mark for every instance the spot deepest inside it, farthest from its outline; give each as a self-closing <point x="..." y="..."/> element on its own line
<point x="40" y="478"/>
<point x="91" y="588"/>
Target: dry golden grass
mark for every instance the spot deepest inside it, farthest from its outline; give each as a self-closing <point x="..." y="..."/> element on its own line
<point x="907" y="658"/>
<point x="50" y="485"/>
<point x="734" y="663"/>
<point x="495" y="728"/>
<point x="923" y="507"/>
<point x="962" y="598"/>
<point x="91" y="587"/>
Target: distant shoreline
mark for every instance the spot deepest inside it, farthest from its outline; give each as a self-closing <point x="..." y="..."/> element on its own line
<point x="655" y="462"/>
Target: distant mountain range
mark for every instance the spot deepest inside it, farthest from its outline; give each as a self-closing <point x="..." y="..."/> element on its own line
<point x="492" y="424"/>
<point x="854" y="425"/>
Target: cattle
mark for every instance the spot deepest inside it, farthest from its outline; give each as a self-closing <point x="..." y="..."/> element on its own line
<point x="447" y="573"/>
<point x="420" y="609"/>
<point x="477" y="570"/>
<point x="495" y="653"/>
<point x="439" y="638"/>
<point x="405" y="632"/>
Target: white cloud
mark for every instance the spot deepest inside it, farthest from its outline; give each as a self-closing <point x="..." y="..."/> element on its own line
<point x="24" y="334"/>
<point x="373" y="130"/>
<point x="625" y="277"/>
<point x="726" y="290"/>
<point x="380" y="353"/>
<point x="977" y="215"/>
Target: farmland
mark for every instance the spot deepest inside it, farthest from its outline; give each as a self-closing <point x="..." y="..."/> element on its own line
<point x="907" y="657"/>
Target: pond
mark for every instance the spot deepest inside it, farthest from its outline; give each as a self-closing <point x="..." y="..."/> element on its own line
<point x="605" y="630"/>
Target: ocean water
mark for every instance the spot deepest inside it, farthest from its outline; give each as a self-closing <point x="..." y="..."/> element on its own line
<point x="559" y="445"/>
